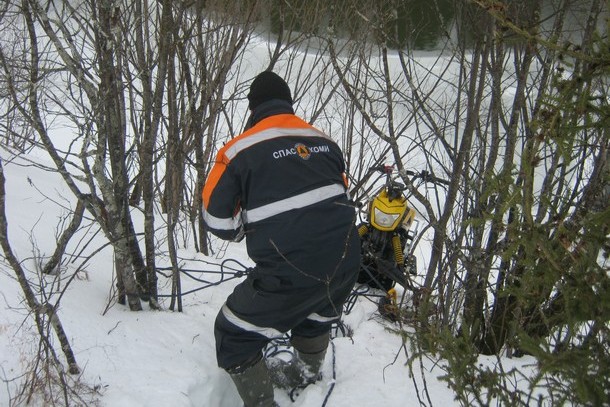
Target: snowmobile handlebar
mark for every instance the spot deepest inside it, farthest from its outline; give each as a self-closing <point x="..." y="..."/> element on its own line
<point x="426" y="176"/>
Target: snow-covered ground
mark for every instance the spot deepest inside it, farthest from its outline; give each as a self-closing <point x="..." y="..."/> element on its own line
<point x="165" y="358"/>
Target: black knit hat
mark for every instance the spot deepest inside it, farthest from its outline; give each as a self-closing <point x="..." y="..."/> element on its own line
<point x="266" y="86"/>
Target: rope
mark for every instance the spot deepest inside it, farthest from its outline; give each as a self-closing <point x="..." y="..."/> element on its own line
<point x="363" y="290"/>
<point x="226" y="273"/>
<point x="278" y="346"/>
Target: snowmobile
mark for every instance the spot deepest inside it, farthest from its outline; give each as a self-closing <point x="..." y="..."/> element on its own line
<point x="387" y="236"/>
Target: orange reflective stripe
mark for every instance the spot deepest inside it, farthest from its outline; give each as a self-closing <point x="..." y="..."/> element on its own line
<point x="213" y="178"/>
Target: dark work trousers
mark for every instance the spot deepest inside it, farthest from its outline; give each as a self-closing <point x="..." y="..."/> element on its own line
<point x="266" y="306"/>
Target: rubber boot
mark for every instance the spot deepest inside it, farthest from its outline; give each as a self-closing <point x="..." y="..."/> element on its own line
<point x="254" y="386"/>
<point x="311" y="352"/>
<point x="313" y="364"/>
<point x="284" y="374"/>
<point x="304" y="368"/>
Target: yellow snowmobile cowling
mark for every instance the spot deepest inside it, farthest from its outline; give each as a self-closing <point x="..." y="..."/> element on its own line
<point x="387" y="214"/>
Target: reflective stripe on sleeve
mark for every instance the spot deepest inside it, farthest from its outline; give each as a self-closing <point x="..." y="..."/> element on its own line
<point x="247" y="326"/>
<point x="269" y="134"/>
<point x="221" y="223"/>
<point x="294" y="202"/>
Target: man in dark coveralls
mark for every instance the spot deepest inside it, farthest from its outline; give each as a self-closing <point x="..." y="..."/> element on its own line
<point x="282" y="185"/>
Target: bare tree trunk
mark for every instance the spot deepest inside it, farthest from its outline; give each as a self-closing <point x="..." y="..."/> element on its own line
<point x="53" y="263"/>
<point x="173" y="178"/>
<point x="152" y="110"/>
<point x="474" y="81"/>
<point x="35" y="307"/>
<point x="112" y="130"/>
